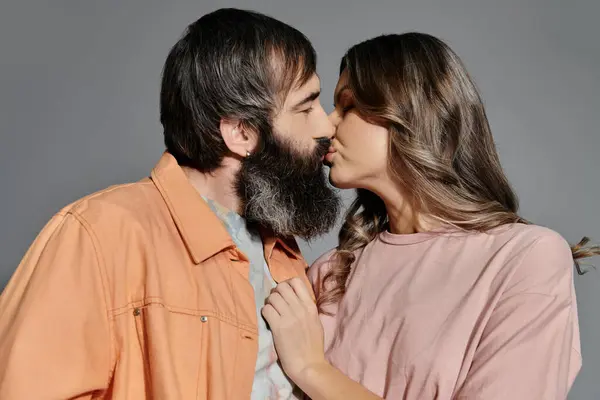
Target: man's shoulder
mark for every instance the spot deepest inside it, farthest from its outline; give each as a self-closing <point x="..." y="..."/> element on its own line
<point x="120" y="213"/>
<point x="132" y="201"/>
<point x="119" y="218"/>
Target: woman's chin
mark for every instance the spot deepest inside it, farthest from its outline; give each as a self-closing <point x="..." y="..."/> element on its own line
<point x="337" y="178"/>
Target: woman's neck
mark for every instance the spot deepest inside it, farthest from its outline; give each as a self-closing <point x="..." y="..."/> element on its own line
<point x="403" y="218"/>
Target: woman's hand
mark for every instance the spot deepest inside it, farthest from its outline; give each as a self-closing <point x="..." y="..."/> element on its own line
<point x="297" y="331"/>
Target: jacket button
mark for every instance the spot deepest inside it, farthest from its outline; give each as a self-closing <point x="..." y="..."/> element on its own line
<point x="136" y="312"/>
<point x="204" y="318"/>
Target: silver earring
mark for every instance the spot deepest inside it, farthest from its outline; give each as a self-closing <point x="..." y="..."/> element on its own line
<point x="247" y="153"/>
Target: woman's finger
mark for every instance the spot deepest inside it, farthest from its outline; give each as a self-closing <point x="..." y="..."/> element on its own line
<point x="301" y="291"/>
<point x="270" y="314"/>
<point x="288" y="294"/>
<point x="278" y="303"/>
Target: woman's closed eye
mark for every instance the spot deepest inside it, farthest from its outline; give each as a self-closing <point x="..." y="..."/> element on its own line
<point x="344" y="107"/>
<point x="347" y="108"/>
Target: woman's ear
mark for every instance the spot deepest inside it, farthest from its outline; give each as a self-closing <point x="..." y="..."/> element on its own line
<point x="238" y="138"/>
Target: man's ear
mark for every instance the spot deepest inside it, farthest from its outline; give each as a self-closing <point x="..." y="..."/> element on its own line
<point x="238" y="138"/>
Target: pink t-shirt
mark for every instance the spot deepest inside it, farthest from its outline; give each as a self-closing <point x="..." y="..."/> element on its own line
<point x="455" y="315"/>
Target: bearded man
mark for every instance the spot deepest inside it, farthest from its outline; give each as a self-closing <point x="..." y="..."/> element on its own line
<point x="154" y="289"/>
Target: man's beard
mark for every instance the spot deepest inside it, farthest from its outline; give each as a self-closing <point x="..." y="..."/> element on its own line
<point x="287" y="191"/>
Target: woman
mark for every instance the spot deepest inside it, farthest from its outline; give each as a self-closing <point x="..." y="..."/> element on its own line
<point x="438" y="288"/>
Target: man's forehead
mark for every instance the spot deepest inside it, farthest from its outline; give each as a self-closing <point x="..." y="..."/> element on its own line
<point x="304" y="94"/>
<point x="310" y="86"/>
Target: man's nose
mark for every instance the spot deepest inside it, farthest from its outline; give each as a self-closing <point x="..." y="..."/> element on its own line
<point x="334" y="120"/>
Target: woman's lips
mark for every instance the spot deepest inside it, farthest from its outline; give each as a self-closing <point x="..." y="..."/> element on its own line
<point x="329" y="155"/>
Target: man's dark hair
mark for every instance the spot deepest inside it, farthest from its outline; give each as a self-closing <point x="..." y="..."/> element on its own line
<point x="229" y="64"/>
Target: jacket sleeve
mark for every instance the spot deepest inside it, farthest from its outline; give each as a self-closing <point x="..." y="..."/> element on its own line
<point x="55" y="332"/>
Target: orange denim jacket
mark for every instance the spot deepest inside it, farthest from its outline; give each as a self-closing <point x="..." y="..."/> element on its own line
<point x="135" y="292"/>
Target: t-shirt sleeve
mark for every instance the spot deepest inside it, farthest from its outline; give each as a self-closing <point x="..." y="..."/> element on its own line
<point x="530" y="346"/>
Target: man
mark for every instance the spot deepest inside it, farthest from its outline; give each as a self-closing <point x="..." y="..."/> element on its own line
<point x="154" y="289"/>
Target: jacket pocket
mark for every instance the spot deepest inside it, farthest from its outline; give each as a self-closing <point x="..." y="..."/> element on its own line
<point x="166" y="351"/>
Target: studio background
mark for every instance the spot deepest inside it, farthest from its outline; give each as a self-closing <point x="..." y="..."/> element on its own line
<point x="79" y="90"/>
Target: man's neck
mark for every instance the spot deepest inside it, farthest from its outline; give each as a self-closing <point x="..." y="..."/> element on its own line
<point x="218" y="185"/>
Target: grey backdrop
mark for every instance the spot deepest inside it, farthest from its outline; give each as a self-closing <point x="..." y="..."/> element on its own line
<point x="79" y="84"/>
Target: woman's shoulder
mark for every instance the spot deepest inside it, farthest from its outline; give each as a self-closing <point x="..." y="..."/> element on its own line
<point x="534" y="239"/>
<point x="539" y="260"/>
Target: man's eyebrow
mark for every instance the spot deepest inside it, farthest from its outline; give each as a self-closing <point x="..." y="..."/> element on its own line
<point x="338" y="95"/>
<point x="308" y="99"/>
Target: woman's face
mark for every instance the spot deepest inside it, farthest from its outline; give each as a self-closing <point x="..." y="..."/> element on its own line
<point x="358" y="156"/>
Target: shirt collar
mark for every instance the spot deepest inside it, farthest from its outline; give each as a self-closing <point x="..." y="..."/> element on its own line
<point x="201" y="230"/>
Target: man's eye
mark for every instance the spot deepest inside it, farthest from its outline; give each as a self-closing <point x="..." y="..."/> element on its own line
<point x="307" y="111"/>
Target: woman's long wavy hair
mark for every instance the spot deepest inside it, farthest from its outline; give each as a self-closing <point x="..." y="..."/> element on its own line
<point x="441" y="146"/>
